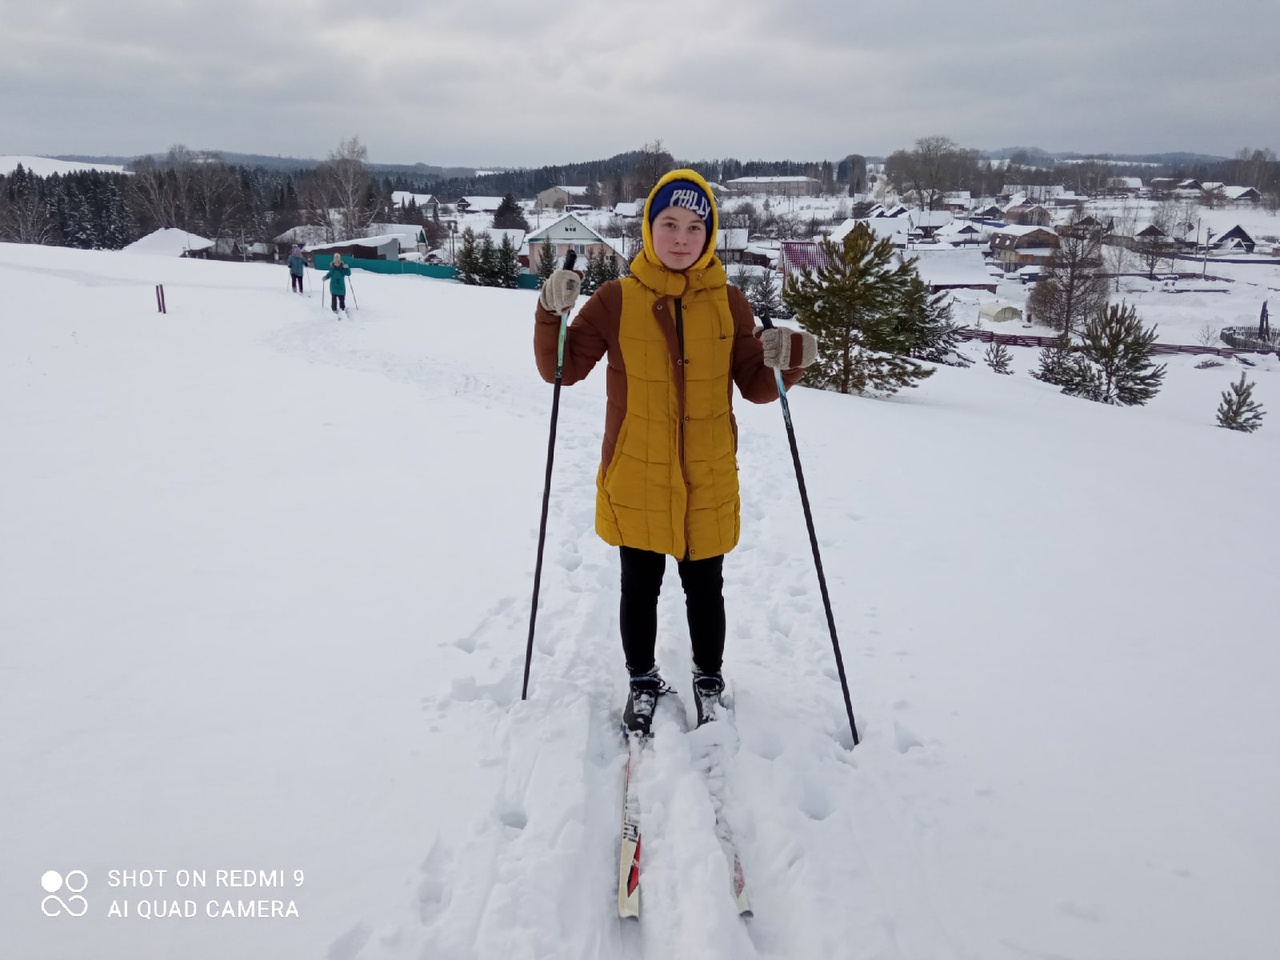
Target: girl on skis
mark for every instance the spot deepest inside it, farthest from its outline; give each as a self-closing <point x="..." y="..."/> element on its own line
<point x="676" y="336"/>
<point x="337" y="277"/>
<point x="297" y="264"/>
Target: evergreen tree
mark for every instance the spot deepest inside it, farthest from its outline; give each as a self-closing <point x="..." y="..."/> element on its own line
<point x="937" y="337"/>
<point x="1238" y="410"/>
<point x="855" y="306"/>
<point x="764" y="296"/>
<point x="998" y="358"/>
<point x="487" y="271"/>
<point x="1119" y="347"/>
<point x="546" y="262"/>
<point x="467" y="262"/>
<point x="1058" y="363"/>
<point x="600" y="268"/>
<point x="509" y="216"/>
<point x="507" y="263"/>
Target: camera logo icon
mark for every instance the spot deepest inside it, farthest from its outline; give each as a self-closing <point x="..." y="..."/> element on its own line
<point x="73" y="884"/>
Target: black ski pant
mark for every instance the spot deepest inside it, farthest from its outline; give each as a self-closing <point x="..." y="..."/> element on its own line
<point x="703" y="583"/>
<point x="339" y="300"/>
<point x="296" y="283"/>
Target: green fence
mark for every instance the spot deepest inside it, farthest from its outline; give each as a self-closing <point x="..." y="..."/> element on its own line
<point x="528" y="281"/>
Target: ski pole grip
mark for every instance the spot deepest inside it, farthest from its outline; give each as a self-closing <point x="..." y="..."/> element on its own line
<point x="570" y="259"/>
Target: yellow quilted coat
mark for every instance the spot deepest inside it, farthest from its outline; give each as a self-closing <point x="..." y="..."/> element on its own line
<point x="676" y="342"/>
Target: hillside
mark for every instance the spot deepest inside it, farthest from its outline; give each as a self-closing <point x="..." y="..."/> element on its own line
<point x="266" y="593"/>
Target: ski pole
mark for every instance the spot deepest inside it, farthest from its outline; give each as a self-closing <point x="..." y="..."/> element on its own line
<point x="813" y="541"/>
<point x="569" y="259"/>
<point x="354" y="302"/>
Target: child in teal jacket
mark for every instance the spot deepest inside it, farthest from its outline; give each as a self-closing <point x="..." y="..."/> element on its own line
<point x="337" y="277"/>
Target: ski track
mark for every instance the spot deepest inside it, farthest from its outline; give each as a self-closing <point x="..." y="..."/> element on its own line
<point x="548" y="887"/>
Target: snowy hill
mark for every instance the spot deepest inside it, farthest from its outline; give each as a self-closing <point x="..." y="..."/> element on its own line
<point x="265" y="592"/>
<point x="47" y="166"/>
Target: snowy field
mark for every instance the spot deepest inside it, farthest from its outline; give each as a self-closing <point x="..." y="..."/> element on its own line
<point x="264" y="589"/>
<point x="47" y="166"/>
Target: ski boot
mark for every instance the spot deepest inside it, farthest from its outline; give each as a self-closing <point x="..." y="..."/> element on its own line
<point x="707" y="691"/>
<point x="642" y="700"/>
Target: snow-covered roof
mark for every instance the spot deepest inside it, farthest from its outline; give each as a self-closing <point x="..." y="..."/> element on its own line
<point x="482" y="204"/>
<point x="169" y="242"/>
<point x="379" y="241"/>
<point x="627" y="208"/>
<point x="745" y="180"/>
<point x="734" y="238"/>
<point x="930" y="218"/>
<point x="565" y="228"/>
<point x="950" y="268"/>
<point x="302" y="234"/>
<point x="895" y="228"/>
<point x="1021" y="229"/>
<point x="401" y="198"/>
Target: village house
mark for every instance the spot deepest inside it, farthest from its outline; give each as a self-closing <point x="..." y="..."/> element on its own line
<point x="776" y="186"/>
<point x="925" y="223"/>
<point x="425" y="203"/>
<point x="1236" y="239"/>
<point x="1242" y="196"/>
<point x="731" y="244"/>
<point x="488" y="205"/>
<point x="1028" y="214"/>
<point x="944" y="269"/>
<point x="1021" y="246"/>
<point x="557" y="198"/>
<point x="567" y="233"/>
<point x="1124" y="186"/>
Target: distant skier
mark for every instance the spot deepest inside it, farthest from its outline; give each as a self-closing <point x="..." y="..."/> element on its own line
<point x="337" y="277"/>
<point x="676" y="336"/>
<point x="297" y="264"/>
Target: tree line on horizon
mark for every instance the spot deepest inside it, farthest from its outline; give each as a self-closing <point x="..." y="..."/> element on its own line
<point x="199" y="192"/>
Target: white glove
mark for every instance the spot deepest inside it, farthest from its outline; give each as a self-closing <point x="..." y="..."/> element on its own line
<point x="786" y="349"/>
<point x="560" y="291"/>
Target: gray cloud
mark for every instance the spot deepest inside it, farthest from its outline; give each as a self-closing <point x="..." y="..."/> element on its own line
<point x="510" y="83"/>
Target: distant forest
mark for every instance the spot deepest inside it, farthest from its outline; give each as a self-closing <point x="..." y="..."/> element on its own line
<point x="217" y="197"/>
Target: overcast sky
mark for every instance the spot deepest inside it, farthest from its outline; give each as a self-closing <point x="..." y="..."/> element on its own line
<point x="505" y="83"/>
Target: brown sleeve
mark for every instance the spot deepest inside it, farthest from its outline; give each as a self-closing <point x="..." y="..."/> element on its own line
<point x="587" y="339"/>
<point x="756" y="382"/>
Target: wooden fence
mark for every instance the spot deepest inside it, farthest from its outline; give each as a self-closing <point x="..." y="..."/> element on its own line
<point x="1017" y="340"/>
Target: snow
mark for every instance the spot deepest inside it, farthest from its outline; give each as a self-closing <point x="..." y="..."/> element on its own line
<point x="168" y="242"/>
<point x="47" y="166"/>
<point x="266" y="583"/>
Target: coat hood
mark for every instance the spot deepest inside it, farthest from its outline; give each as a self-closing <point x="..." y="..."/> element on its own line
<point x="647" y="254"/>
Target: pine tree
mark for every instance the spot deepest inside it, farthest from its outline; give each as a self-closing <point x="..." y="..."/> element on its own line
<point x="765" y="298"/>
<point x="998" y="358"/>
<point x="1238" y="410"/>
<point x="487" y="274"/>
<point x="591" y="278"/>
<point x="507" y="259"/>
<point x="1117" y="344"/>
<point x="468" y="264"/>
<point x="1057" y="363"/>
<point x="937" y="337"/>
<point x="509" y="216"/>
<point x="546" y="262"/>
<point x="855" y="306"/>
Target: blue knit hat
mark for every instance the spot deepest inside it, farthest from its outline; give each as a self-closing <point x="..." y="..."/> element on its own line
<point x="683" y="193"/>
